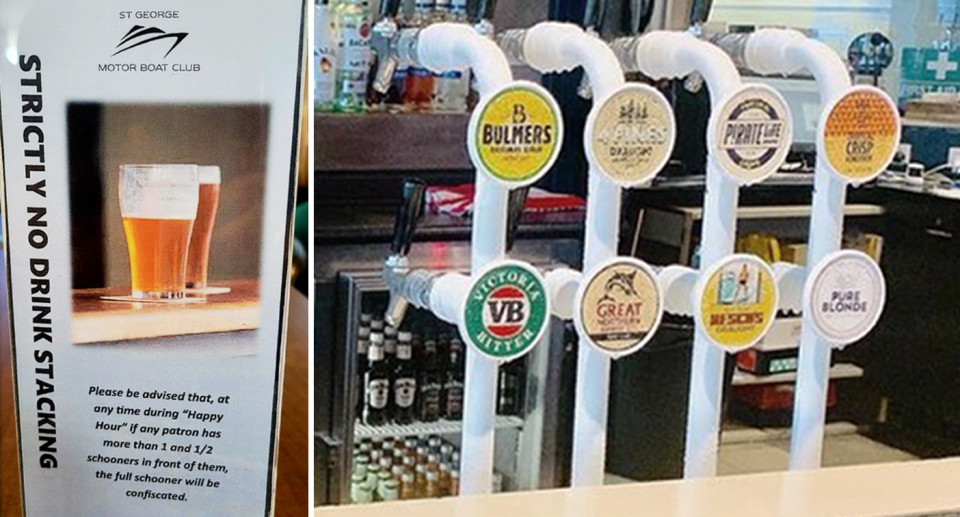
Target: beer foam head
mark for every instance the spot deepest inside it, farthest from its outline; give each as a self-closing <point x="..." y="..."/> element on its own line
<point x="159" y="191"/>
<point x="209" y="175"/>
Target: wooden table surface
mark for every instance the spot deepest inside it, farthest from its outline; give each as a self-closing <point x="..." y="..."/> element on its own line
<point x="96" y="320"/>
<point x="292" y="472"/>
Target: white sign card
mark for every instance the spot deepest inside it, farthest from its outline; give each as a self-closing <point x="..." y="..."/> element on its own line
<point x="149" y="156"/>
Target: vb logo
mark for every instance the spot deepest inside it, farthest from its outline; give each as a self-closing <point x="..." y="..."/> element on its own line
<point x="505" y="312"/>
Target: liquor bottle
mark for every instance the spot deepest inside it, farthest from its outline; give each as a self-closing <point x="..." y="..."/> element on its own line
<point x="408" y="489"/>
<point x="453" y="383"/>
<point x="430" y="383"/>
<point x="324" y="58"/>
<point x="451" y="88"/>
<point x="383" y="479"/>
<point x="363" y="348"/>
<point x="390" y="490"/>
<point x="510" y="398"/>
<point x="378" y="385"/>
<point x="433" y="484"/>
<point x="418" y="89"/>
<point x="390" y="345"/>
<point x="445" y="469"/>
<point x="352" y="20"/>
<point x="359" y="490"/>
<point x="373" y="476"/>
<point x="446" y="453"/>
<point x="404" y="381"/>
<point x="455" y="482"/>
<point x="420" y="481"/>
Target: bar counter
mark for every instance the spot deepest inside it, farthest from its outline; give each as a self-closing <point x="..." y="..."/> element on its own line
<point x="923" y="488"/>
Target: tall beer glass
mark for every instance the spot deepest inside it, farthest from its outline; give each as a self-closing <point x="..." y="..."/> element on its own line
<point x="198" y="256"/>
<point x="158" y="204"/>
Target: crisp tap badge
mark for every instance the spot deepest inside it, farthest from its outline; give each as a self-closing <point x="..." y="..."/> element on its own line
<point x="631" y="134"/>
<point x="619" y="306"/>
<point x="751" y="133"/>
<point x="860" y="134"/>
<point x="844" y="297"/>
<point x="516" y="134"/>
<point x="737" y="302"/>
<point x="506" y="310"/>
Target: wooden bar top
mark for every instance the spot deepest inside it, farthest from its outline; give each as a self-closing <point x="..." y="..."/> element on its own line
<point x="96" y="320"/>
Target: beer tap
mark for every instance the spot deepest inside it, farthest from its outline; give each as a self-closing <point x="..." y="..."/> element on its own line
<point x="518" y="199"/>
<point x="483" y="20"/>
<point x="397" y="268"/>
<point x="382" y="39"/>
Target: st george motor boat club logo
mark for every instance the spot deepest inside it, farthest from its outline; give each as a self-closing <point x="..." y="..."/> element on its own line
<point x="139" y="36"/>
<point x="506" y="311"/>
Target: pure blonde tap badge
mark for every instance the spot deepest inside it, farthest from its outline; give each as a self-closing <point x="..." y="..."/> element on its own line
<point x="631" y="134"/>
<point x="516" y="134"/>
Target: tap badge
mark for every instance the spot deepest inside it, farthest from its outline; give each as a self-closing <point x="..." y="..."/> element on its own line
<point x="619" y="306"/>
<point x="751" y="134"/>
<point x="631" y="134"/>
<point x="506" y="311"/>
<point x="860" y="134"/>
<point x="844" y="296"/>
<point x="516" y="134"/>
<point x="737" y="302"/>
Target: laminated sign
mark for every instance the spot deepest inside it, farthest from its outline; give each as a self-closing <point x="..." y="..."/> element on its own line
<point x="148" y="165"/>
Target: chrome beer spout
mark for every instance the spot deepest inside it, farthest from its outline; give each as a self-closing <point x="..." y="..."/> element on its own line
<point x="383" y="40"/>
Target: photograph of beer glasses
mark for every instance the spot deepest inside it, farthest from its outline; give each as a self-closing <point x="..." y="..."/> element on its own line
<point x="158" y="205"/>
<point x="198" y="252"/>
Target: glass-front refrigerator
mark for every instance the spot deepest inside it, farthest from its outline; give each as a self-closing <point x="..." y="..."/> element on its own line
<point x="394" y="426"/>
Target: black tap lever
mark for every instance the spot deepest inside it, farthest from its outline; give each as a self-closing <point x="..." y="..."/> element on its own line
<point x="518" y="199"/>
<point x="408" y="216"/>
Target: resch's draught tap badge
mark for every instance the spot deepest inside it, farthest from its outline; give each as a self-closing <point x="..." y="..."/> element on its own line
<point x="505" y="313"/>
<point x="140" y="35"/>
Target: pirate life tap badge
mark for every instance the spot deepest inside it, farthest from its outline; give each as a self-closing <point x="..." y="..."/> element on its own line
<point x="506" y="310"/>
<point x="630" y="134"/>
<point x="619" y="306"/>
<point x="860" y="134"/>
<point x="736" y="302"/>
<point x="516" y="133"/>
<point x="844" y="297"/>
<point x="751" y="133"/>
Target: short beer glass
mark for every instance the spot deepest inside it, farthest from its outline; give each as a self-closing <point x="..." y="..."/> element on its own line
<point x="158" y="204"/>
<point x="198" y="256"/>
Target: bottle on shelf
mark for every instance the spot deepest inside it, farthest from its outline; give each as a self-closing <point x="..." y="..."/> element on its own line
<point x="430" y="383"/>
<point x="404" y="381"/>
<point x="377" y="385"/>
<point x="408" y="488"/>
<point x="455" y="482"/>
<point x="420" y="481"/>
<point x="389" y="345"/>
<point x="373" y="477"/>
<point x="432" y="484"/>
<point x="360" y="492"/>
<point x="445" y="479"/>
<point x="352" y="22"/>
<point x="363" y="363"/>
<point x="324" y="58"/>
<point x="383" y="478"/>
<point x="390" y="490"/>
<point x="418" y="88"/>
<point x="453" y="381"/>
